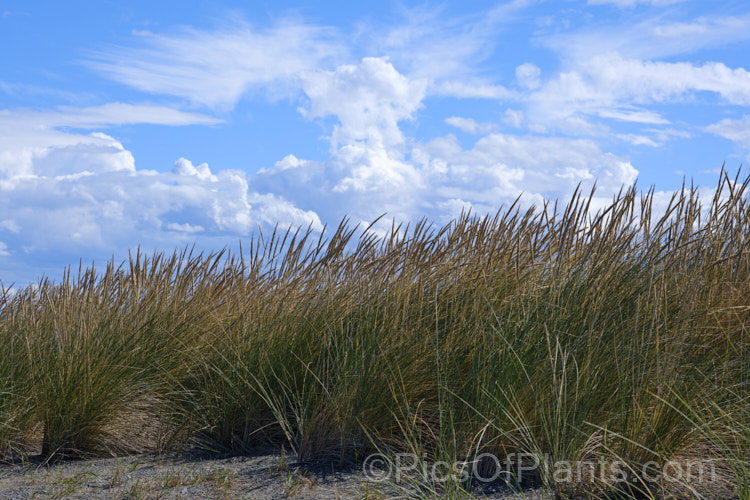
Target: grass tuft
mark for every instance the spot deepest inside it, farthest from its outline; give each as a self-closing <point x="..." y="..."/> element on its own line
<point x="616" y="338"/>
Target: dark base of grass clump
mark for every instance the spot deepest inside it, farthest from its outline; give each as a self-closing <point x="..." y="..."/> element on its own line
<point x="564" y="336"/>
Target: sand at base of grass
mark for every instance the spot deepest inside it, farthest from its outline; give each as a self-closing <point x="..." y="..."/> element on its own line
<point x="260" y="476"/>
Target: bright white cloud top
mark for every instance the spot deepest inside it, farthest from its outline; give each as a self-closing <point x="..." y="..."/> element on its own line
<point x="139" y="125"/>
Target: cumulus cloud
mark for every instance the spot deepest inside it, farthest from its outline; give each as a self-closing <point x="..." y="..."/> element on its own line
<point x="66" y="195"/>
<point x="186" y="167"/>
<point x="369" y="99"/>
<point x="57" y="154"/>
<point x="500" y="166"/>
<point x="74" y="190"/>
<point x="356" y="181"/>
<point x="129" y="207"/>
<point x="367" y="176"/>
<point x="40" y="143"/>
<point x="442" y="177"/>
<point x="66" y="185"/>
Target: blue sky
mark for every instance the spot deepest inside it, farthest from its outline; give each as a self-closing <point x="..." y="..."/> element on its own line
<point x="163" y="124"/>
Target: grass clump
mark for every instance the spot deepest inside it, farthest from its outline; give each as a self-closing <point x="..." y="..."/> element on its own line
<point x="555" y="336"/>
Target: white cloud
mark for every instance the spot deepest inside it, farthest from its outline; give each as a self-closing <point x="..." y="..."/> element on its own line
<point x="633" y="115"/>
<point x="368" y="176"/>
<point x="425" y="44"/>
<point x="637" y="140"/>
<point x="646" y="81"/>
<point x="117" y="113"/>
<point x="663" y="135"/>
<point x="358" y="180"/>
<point x="736" y="130"/>
<point x="185" y="167"/>
<point x="633" y="3"/>
<point x="471" y="90"/>
<point x="513" y="117"/>
<point x="95" y="153"/>
<point x="31" y="142"/>
<point x="51" y="153"/>
<point x="185" y="228"/>
<point x="654" y="37"/>
<point x="441" y="177"/>
<point x="82" y="193"/>
<point x="527" y="76"/>
<point x="368" y="99"/>
<point x="114" y="113"/>
<point x="541" y="166"/>
<point x="613" y="87"/>
<point x="121" y="209"/>
<point x="613" y="71"/>
<point x="9" y="225"/>
<point x="468" y="125"/>
<point x="64" y="184"/>
<point x="215" y="68"/>
<point x="69" y="194"/>
<point x="373" y="169"/>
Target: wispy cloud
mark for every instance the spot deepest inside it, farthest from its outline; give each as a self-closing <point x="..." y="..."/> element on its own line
<point x="216" y="68"/>
<point x="654" y="37"/>
<point x="428" y="44"/>
<point x="633" y="115"/>
<point x="27" y="90"/>
<point x="736" y="130"/>
<point x="472" y="90"/>
<point x="469" y="125"/>
<point x="621" y="89"/>
<point x="633" y="3"/>
<point x="114" y="113"/>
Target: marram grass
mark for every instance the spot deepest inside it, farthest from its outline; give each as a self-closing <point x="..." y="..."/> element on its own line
<point x="563" y="334"/>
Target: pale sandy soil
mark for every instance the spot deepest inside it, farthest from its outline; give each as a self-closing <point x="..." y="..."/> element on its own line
<point x="190" y="476"/>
